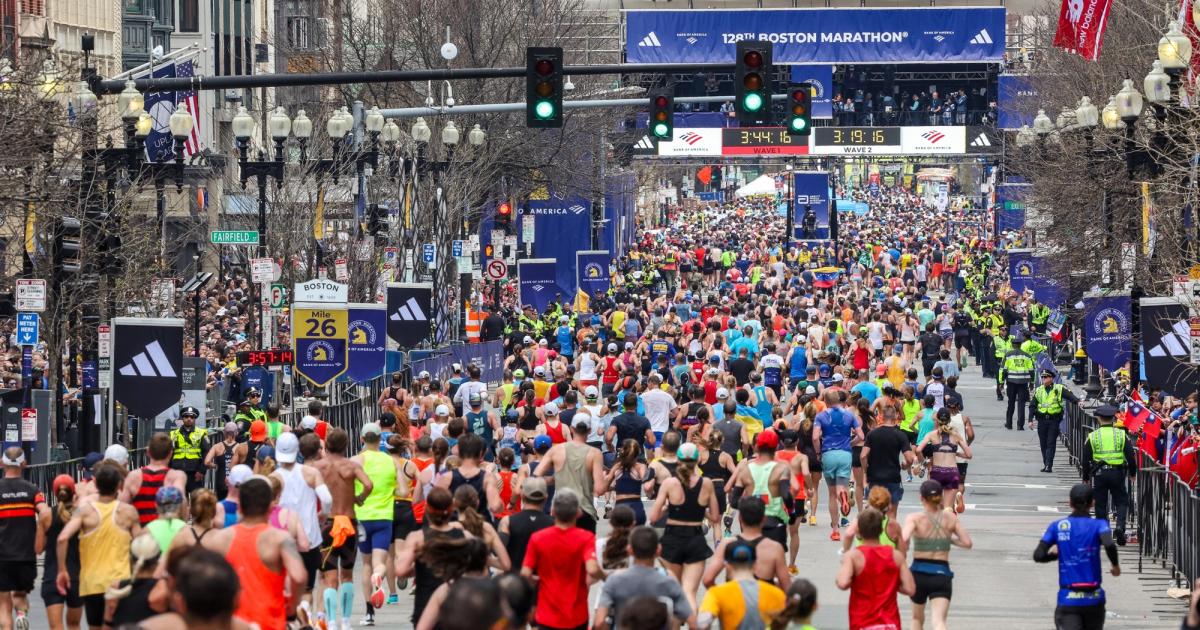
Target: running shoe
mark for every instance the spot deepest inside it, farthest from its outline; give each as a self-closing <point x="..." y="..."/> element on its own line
<point x="835" y="535"/>
<point x="346" y="624"/>
<point x="378" y="596"/>
<point x="393" y="599"/>
<point x="793" y="569"/>
<point x="843" y="522"/>
<point x="319" y="622"/>
<point x="844" y="503"/>
<point x="367" y="620"/>
<point x="960" y="506"/>
<point x="21" y="622"/>
<point x="812" y="521"/>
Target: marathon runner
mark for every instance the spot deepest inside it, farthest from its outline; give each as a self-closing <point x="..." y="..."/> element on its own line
<point x="349" y="486"/>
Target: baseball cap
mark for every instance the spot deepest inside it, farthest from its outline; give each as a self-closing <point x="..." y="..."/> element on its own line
<point x="539" y="370"/>
<point x="62" y="481"/>
<point x="810" y="390"/>
<point x="591" y="393"/>
<point x="231" y="427"/>
<point x="628" y="345"/>
<point x="534" y="488"/>
<point x="550" y="409"/>
<point x="931" y="488"/>
<point x="442" y="410"/>
<point x="456" y="367"/>
<point x="239" y="474"/>
<point x="265" y="452"/>
<point x="543" y="342"/>
<point x="519" y="373"/>
<point x="542" y="441"/>
<point x="722" y="393"/>
<point x="1048" y="374"/>
<point x="90" y="460"/>
<point x="168" y="496"/>
<point x="370" y="428"/>
<point x="767" y="439"/>
<point x="740" y="553"/>
<point x="189" y="411"/>
<point x="423" y="374"/>
<point x="612" y="347"/>
<point x="117" y="453"/>
<point x="474" y="399"/>
<point x="287" y="447"/>
<point x="688" y="452"/>
<point x="838" y="378"/>
<point x="258" y="431"/>
<point x="527" y="340"/>
<point x="308" y="422"/>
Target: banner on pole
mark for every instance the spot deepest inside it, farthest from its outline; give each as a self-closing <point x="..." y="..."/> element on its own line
<point x="1166" y="346"/>
<point x="148" y="364"/>
<point x="537" y="282"/>
<point x="1107" y="328"/>
<point x="592" y="267"/>
<point x="367" y="341"/>
<point x="1081" y="25"/>
<point x="319" y="337"/>
<point x="409" y="307"/>
<point x="810" y="189"/>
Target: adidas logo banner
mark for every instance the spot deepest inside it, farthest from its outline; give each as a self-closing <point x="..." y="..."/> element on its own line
<point x="538" y="282"/>
<point x="409" y="311"/>
<point x="982" y="38"/>
<point x="981" y="140"/>
<point x="367" y="341"/>
<point x="147" y="364"/>
<point x="651" y="40"/>
<point x="1167" y="346"/>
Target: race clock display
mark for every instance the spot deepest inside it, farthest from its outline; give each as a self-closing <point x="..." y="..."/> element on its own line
<point x="856" y="136"/>
<point x="761" y="140"/>
<point x="266" y="357"/>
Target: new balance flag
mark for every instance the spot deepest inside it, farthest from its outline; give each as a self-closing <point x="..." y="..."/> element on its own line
<point x="409" y="308"/>
<point x="147" y="363"/>
<point x="1081" y="25"/>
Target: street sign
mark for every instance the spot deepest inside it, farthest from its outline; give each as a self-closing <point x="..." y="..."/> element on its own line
<point x="497" y="269"/>
<point x="456" y="248"/>
<point x="321" y="291"/>
<point x="28" y="328"/>
<point x="104" y="341"/>
<point x="261" y="269"/>
<point x="31" y="295"/>
<point x="390" y="255"/>
<point x="473" y="243"/>
<point x="341" y="270"/>
<point x="29" y="425"/>
<point x="278" y="296"/>
<point x="429" y="254"/>
<point x="233" y="237"/>
<point x="527" y="231"/>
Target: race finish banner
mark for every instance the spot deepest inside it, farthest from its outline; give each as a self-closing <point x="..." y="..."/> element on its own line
<point x="592" y="267"/>
<point x="1166" y="346"/>
<point x="368" y="341"/>
<point x="408" y="309"/>
<point x="811" y="190"/>
<point x="1107" y="329"/>
<point x="319" y="337"/>
<point x="537" y="282"/>
<point x="800" y="36"/>
<point x="147" y="360"/>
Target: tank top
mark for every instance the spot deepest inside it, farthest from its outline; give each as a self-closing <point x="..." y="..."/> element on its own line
<point x="786" y="457"/>
<point x="506" y="493"/>
<point x="381" y="469"/>
<point x="689" y="417"/>
<point x="884" y="539"/>
<point x="152" y="480"/>
<point x="712" y="468"/>
<point x="51" y="558"/>
<point x="731" y="431"/>
<point x="300" y="498"/>
<point x="103" y="552"/>
<point x="873" y="591"/>
<point x="691" y="510"/>
<point x="761" y="475"/>
<point x="164" y="530"/>
<point x="457" y="479"/>
<point x="426" y="581"/>
<point x="576" y="475"/>
<point x="478" y="424"/>
<point x="587" y="367"/>
<point x="555" y="432"/>
<point x="625" y="484"/>
<point x="521" y="526"/>
<point x="266" y="607"/>
<point x="231" y="512"/>
<point x="610" y="370"/>
<point x="437" y="430"/>
<point x="960" y="428"/>
<point x="763" y="406"/>
<point x="224" y="465"/>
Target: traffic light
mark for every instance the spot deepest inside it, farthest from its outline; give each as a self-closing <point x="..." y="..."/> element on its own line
<point x="752" y="83"/>
<point x="504" y="215"/>
<point x="67" y="251"/>
<point x="799" y="112"/>
<point x="376" y="220"/>
<point x="543" y="87"/>
<point x="662" y="114"/>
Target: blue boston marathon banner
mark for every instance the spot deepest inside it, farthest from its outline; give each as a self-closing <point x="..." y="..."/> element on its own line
<point x="1107" y="327"/>
<point x="561" y="225"/>
<point x="368" y="341"/>
<point x="1022" y="269"/>
<point x="538" y="283"/>
<point x="1010" y="206"/>
<point x="873" y="35"/>
<point x="821" y="77"/>
<point x="319" y="337"/>
<point x="592" y="267"/>
<point x="811" y="190"/>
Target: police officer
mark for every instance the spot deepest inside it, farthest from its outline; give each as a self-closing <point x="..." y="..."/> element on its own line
<point x="1108" y="458"/>
<point x="190" y="444"/>
<point x="1049" y="400"/>
<point x="244" y="418"/>
<point x="254" y="397"/>
<point x="1002" y="345"/>
<point x="1016" y="373"/>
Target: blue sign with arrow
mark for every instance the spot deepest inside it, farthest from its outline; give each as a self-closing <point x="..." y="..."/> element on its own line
<point x="28" y="328"/>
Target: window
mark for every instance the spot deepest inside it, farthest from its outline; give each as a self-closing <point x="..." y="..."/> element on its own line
<point x="189" y="16"/>
<point x="298" y="29"/>
<point x="133" y="6"/>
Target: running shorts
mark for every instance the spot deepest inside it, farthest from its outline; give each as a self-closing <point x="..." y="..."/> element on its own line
<point x="685" y="544"/>
<point x="403" y="520"/>
<point x="376" y="536"/>
<point x="931" y="586"/>
<point x="18" y="576"/>
<point x="1079" y="617"/>
<point x="333" y="558"/>
<point x="835" y="466"/>
<point x="776" y="530"/>
<point x="312" y="564"/>
<point x="51" y="596"/>
<point x="856" y="457"/>
<point x="945" y="475"/>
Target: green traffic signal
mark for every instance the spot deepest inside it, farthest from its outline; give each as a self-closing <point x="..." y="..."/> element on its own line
<point x="752" y="102"/>
<point x="544" y="110"/>
<point x="661" y="130"/>
<point x="798" y="124"/>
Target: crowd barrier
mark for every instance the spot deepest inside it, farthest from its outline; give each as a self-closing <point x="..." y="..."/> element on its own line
<point x="1163" y="510"/>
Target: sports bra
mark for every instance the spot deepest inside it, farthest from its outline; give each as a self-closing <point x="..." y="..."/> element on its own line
<point x="690" y="511"/>
<point x="937" y="540"/>
<point x="945" y="445"/>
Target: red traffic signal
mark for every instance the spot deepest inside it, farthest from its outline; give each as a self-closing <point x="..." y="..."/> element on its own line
<point x="753" y="59"/>
<point x="544" y="67"/>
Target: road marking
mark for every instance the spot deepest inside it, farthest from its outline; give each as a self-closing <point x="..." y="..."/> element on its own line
<point x="1026" y="486"/>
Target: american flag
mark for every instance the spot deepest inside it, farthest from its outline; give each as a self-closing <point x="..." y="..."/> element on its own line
<point x="191" y="100"/>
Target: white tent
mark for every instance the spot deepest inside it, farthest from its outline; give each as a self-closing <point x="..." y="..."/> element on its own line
<point x="764" y="185"/>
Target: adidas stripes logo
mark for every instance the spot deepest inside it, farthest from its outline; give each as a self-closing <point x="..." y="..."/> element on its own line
<point x="650" y="40"/>
<point x="410" y="311"/>
<point x="156" y="364"/>
<point x="982" y="37"/>
<point x="981" y="141"/>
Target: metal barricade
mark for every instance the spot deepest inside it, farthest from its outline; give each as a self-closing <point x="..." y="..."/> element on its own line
<point x="1080" y="424"/>
<point x="1185" y="531"/>
<point x="1152" y="505"/>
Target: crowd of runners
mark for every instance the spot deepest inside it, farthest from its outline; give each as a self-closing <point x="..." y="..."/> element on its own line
<point x="726" y="402"/>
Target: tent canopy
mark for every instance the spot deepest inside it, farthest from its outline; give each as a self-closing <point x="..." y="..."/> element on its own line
<point x="764" y="185"/>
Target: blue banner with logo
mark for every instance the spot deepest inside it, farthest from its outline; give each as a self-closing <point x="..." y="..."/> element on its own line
<point x="1022" y="269"/>
<point x="160" y="145"/>
<point x="489" y="356"/>
<point x="368" y="341"/>
<point x="561" y="226"/>
<point x="821" y="77"/>
<point x="818" y="35"/>
<point x="1010" y="206"/>
<point x="1107" y="327"/>
<point x="539" y="286"/>
<point x="593" y="271"/>
<point x="1018" y="101"/>
<point x="811" y="190"/>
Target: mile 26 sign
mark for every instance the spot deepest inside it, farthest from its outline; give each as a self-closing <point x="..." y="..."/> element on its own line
<point x="320" y="329"/>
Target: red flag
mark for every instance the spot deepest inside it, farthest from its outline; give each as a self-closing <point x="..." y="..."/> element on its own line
<point x="705" y="175"/>
<point x="1193" y="33"/>
<point x="1136" y="416"/>
<point x="1081" y="26"/>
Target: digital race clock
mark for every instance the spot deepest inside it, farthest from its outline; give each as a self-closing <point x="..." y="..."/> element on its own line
<point x="762" y="141"/>
<point x="266" y="357"/>
<point x="856" y="136"/>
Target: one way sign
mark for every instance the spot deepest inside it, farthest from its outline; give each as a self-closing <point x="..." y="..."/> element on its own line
<point x="28" y="325"/>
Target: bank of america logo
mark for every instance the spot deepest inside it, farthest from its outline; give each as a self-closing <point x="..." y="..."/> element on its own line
<point x="650" y="40"/>
<point x="939" y="38"/>
<point x="933" y="136"/>
<point x="691" y="137"/>
<point x="577" y="209"/>
<point x="410" y="311"/>
<point x="981" y="141"/>
<point x="1176" y="343"/>
<point x="981" y="38"/>
<point x="691" y="40"/>
<point x="537" y="288"/>
<point x="156" y="364"/>
<point x="645" y="143"/>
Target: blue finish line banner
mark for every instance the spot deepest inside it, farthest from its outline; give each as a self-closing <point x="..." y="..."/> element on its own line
<point x="592" y="267"/>
<point x="819" y="35"/>
<point x="811" y="189"/>
<point x="1107" y="329"/>
<point x="538" y="286"/>
<point x="368" y="341"/>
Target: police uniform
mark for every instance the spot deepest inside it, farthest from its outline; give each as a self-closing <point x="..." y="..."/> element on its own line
<point x="1016" y="374"/>
<point x="1038" y="314"/>
<point x="1001" y="345"/>
<point x="1108" y="458"/>
<point x="190" y="446"/>
<point x="1049" y="408"/>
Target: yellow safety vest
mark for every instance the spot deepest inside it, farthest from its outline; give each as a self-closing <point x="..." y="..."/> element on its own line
<point x="1018" y="368"/>
<point x="1003" y="345"/>
<point x="1039" y="313"/>
<point x="1108" y="446"/>
<point x="1049" y="402"/>
<point x="187" y="446"/>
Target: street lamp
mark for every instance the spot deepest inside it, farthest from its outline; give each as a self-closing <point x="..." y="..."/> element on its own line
<point x="281" y="127"/>
<point x="1109" y="116"/>
<point x="1042" y="125"/>
<point x="1174" y="52"/>
<point x="180" y="123"/>
<point x="49" y="82"/>
<point x="477" y="136"/>
<point x="1086" y="115"/>
<point x="1065" y="119"/>
<point x="1129" y="103"/>
<point x="143" y="124"/>
<point x="1025" y="136"/>
<point x="1157" y="85"/>
<point x="84" y="100"/>
<point x="302" y="127"/>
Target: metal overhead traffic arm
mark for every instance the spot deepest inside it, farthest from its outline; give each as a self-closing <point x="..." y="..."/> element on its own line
<point x="389" y="76"/>
<point x="493" y="108"/>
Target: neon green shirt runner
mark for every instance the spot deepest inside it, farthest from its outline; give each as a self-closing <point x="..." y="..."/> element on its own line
<point x="381" y="468"/>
